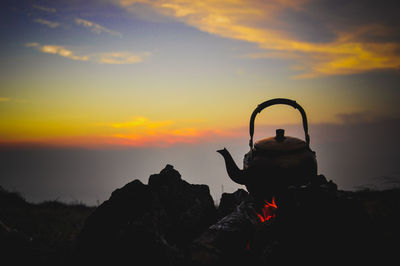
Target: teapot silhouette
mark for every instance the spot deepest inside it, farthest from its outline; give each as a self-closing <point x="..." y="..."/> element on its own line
<point x="274" y="163"/>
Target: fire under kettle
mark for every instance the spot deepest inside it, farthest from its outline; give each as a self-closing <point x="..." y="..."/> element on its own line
<point x="275" y="163"/>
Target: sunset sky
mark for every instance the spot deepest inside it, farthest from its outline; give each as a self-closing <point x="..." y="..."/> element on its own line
<point x="158" y="75"/>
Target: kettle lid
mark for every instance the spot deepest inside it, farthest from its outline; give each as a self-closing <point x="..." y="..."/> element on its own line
<point x="280" y="144"/>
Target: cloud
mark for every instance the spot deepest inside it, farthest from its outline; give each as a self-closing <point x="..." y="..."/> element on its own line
<point x="45" y="9"/>
<point x="141" y="121"/>
<point x="365" y="117"/>
<point x="138" y="132"/>
<point x="58" y="50"/>
<point x="120" y="58"/>
<point x="141" y="132"/>
<point x="390" y="180"/>
<point x="96" y="28"/>
<point x="32" y="44"/>
<point x="100" y="58"/>
<point x="13" y="100"/>
<point x="5" y="99"/>
<point x="356" y="117"/>
<point x="48" y="23"/>
<point x="260" y="22"/>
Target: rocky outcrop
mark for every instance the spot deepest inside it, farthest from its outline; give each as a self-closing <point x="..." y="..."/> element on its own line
<point x="172" y="222"/>
<point x="151" y="223"/>
<point x="230" y="201"/>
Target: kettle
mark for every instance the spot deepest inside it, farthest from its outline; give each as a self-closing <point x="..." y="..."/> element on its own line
<point x="274" y="163"/>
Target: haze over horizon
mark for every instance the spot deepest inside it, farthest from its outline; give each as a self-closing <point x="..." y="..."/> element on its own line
<point x="96" y="93"/>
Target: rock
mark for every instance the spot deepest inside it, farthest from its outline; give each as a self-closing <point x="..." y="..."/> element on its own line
<point x="168" y="177"/>
<point x="230" y="201"/>
<point x="228" y="241"/>
<point x="15" y="246"/>
<point x="154" y="222"/>
<point x="189" y="208"/>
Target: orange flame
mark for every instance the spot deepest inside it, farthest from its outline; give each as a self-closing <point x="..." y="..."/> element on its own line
<point x="268" y="211"/>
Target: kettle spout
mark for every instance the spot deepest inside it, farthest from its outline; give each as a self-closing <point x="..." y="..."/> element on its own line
<point x="233" y="170"/>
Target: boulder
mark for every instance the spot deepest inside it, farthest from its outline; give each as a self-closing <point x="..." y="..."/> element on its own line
<point x="230" y="201"/>
<point x="153" y="223"/>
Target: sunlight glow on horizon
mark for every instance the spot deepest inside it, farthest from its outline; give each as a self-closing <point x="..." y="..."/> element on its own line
<point x="140" y="73"/>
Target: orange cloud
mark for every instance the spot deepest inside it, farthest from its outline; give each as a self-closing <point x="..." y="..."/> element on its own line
<point x="58" y="50"/>
<point x="142" y="122"/>
<point x="4" y="99"/>
<point x="141" y="132"/>
<point x="156" y="139"/>
<point x="120" y="58"/>
<point x="138" y="132"/>
<point x="257" y="22"/>
<point x="160" y="139"/>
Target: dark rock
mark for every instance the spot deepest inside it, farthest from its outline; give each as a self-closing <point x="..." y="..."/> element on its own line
<point x="154" y="223"/>
<point x="230" y="201"/>
<point x="189" y="209"/>
<point x="168" y="177"/>
<point x="15" y="246"/>
<point x="318" y="180"/>
<point x="104" y="235"/>
<point x="229" y="241"/>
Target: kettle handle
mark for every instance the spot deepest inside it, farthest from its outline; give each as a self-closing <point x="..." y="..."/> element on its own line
<point x="265" y="104"/>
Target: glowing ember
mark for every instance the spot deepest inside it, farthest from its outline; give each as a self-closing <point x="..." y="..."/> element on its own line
<point x="268" y="211"/>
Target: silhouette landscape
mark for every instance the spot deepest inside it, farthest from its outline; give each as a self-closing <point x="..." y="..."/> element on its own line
<point x="173" y="222"/>
<point x="173" y="132"/>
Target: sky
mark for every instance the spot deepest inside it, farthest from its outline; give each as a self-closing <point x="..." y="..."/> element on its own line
<point x="96" y="93"/>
